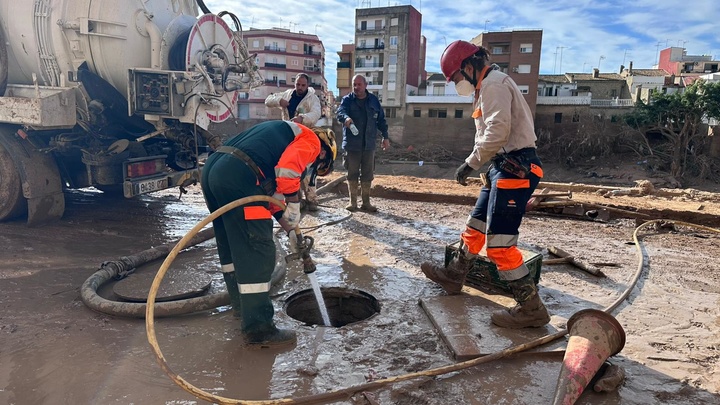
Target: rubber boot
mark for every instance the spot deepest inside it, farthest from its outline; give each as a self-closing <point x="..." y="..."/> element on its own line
<point x="258" y="327"/>
<point x="311" y="196"/>
<point x="353" y="191"/>
<point x="233" y="292"/>
<point x="529" y="311"/>
<point x="452" y="277"/>
<point x="366" y="206"/>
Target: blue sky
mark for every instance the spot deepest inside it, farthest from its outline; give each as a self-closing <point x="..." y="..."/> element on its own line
<point x="577" y="35"/>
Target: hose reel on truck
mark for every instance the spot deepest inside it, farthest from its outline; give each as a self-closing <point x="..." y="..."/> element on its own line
<point x="92" y="89"/>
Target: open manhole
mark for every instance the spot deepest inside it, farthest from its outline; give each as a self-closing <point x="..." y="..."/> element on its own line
<point x="344" y="306"/>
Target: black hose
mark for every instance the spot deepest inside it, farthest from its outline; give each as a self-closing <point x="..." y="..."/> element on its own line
<point x="203" y="7"/>
<point x="115" y="269"/>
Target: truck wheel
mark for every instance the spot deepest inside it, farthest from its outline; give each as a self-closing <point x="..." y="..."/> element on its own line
<point x="12" y="201"/>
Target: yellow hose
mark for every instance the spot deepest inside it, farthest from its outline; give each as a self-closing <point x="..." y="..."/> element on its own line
<point x="349" y="391"/>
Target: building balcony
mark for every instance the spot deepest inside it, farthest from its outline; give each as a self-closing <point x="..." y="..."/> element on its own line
<point x="585" y="100"/>
<point x="278" y="82"/>
<point x="370" y="30"/>
<point x="369" y="47"/>
<point x="564" y="100"/>
<point x="312" y="53"/>
<point x="344" y="65"/>
<point x="368" y="65"/>
<point x="311" y="68"/>
<point x="276" y="65"/>
<point x="274" y="48"/>
<point x="444" y="99"/>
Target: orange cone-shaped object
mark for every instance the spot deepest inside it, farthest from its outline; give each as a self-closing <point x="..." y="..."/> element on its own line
<point x="594" y="336"/>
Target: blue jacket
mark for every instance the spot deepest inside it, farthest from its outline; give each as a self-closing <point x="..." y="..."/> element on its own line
<point x="375" y="122"/>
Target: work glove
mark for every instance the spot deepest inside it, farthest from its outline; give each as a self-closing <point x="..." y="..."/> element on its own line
<point x="296" y="241"/>
<point x="462" y="173"/>
<point x="292" y="214"/>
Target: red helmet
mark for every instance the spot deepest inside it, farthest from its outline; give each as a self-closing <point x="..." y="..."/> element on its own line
<point x="453" y="56"/>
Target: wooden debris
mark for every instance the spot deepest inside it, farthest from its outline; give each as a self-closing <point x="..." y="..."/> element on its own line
<point x="575" y="262"/>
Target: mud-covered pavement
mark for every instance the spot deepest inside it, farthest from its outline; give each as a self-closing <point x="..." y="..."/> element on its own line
<point x="54" y="350"/>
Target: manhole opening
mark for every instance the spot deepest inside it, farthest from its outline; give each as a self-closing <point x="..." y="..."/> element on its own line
<point x="344" y="306"/>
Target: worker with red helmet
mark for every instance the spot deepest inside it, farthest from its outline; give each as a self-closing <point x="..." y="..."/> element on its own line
<point x="270" y="158"/>
<point x="505" y="138"/>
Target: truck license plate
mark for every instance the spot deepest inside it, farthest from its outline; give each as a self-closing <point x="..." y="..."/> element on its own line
<point x="148" y="186"/>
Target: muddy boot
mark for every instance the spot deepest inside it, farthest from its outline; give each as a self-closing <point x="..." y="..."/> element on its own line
<point x="529" y="311"/>
<point x="366" y="206"/>
<point x="452" y="277"/>
<point x="353" y="191"/>
<point x="258" y="328"/>
<point x="270" y="335"/>
<point x="233" y="292"/>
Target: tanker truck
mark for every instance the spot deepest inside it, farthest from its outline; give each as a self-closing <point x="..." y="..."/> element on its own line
<point x="116" y="95"/>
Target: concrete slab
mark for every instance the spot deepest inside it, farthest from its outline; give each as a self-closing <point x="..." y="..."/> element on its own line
<point x="463" y="322"/>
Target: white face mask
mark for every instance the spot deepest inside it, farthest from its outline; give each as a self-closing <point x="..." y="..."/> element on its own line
<point x="465" y="88"/>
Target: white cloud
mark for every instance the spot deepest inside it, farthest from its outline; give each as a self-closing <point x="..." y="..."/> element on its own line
<point x="621" y="31"/>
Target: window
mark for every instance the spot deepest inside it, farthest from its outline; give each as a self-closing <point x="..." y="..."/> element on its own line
<point x="391" y="113"/>
<point x="437" y="113"/>
<point x="295" y="62"/>
<point x="497" y="50"/>
<point x="524" y="89"/>
<point x="393" y="42"/>
<point x="558" y="118"/>
<point x="438" y="90"/>
<point x="458" y="113"/>
<point x="523" y="69"/>
<point x="392" y="77"/>
<point x="525" y="48"/>
<point x="294" y="47"/>
<point x="416" y="112"/>
<point x="363" y="25"/>
<point x="392" y="60"/>
<point x="256" y="43"/>
<point x="378" y="24"/>
<point x="393" y="23"/>
<point x="613" y="93"/>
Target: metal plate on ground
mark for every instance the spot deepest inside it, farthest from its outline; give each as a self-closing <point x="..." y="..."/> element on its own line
<point x="177" y="284"/>
<point x="463" y="322"/>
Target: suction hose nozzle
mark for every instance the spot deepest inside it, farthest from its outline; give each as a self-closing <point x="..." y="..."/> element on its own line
<point x="305" y="243"/>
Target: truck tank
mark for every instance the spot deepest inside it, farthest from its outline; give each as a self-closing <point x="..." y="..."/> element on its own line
<point x="116" y="95"/>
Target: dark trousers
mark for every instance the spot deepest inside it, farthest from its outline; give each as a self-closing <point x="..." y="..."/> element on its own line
<point x="360" y="165"/>
<point x="243" y="235"/>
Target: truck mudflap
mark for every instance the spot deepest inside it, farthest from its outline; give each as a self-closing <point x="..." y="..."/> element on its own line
<point x="40" y="177"/>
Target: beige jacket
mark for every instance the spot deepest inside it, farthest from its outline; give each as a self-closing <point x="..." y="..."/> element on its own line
<point x="505" y="121"/>
<point x="309" y="107"/>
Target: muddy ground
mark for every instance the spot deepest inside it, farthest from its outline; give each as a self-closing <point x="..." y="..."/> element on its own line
<point x="53" y="349"/>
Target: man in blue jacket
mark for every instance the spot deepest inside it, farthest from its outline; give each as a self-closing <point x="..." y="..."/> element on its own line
<point x="362" y="117"/>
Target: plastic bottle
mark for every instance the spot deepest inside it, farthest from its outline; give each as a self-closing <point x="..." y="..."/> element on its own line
<point x="354" y="129"/>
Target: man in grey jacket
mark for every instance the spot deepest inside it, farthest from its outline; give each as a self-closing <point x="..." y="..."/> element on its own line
<point x="362" y="117"/>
